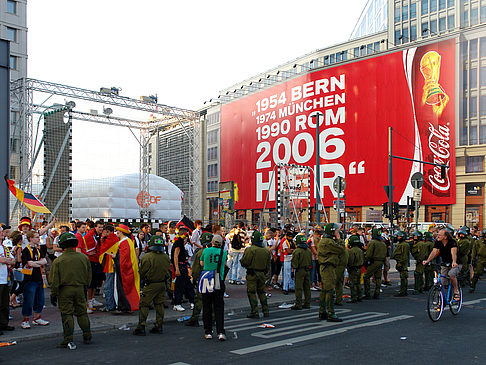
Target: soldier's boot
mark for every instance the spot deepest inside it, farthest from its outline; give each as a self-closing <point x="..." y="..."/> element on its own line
<point x="157" y="329"/>
<point x="322" y="306"/>
<point x="298" y="297"/>
<point x="307" y="297"/>
<point x="421" y="284"/>
<point x="473" y="283"/>
<point x="354" y="295"/>
<point x="139" y="331"/>
<point x="416" y="277"/>
<point x="253" y="304"/>
<point x="376" y="295"/>
<point x="262" y="296"/>
<point x="196" y="311"/>
<point x="367" y="287"/>
<point x="331" y="315"/>
<point x="68" y="327"/>
<point x="404" y="282"/>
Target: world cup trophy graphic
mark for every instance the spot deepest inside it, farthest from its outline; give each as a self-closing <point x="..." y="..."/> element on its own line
<point x="433" y="93"/>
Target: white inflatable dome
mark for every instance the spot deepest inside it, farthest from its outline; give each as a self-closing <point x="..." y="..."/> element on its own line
<point x="119" y="197"/>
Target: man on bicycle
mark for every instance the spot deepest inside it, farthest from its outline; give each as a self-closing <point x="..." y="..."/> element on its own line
<point x="446" y="247"/>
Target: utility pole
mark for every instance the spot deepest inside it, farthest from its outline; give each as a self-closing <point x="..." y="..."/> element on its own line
<point x="390" y="177"/>
<point x="318" y="168"/>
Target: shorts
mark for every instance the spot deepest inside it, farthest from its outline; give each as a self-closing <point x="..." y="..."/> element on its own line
<point x="97" y="275"/>
<point x="446" y="271"/>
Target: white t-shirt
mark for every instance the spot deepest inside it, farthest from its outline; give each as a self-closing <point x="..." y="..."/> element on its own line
<point x="171" y="242"/>
<point x="25" y="241"/>
<point x="56" y="243"/>
<point x="289" y="256"/>
<point x="3" y="267"/>
<point x="43" y="240"/>
<point x="196" y="237"/>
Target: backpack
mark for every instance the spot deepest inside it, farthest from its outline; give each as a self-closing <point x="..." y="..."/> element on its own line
<point x="236" y="242"/>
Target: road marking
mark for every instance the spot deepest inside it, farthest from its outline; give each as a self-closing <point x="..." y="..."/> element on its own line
<point x="312" y="336"/>
<point x="474" y="301"/>
<point x="179" y="363"/>
<point x="251" y="324"/>
<point x="285" y="331"/>
<point x="230" y="320"/>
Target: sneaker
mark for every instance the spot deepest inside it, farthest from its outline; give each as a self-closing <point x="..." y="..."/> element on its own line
<point x="314" y="288"/>
<point x="89" y="310"/>
<point x="25" y="325"/>
<point x="240" y="283"/>
<point x="192" y="306"/>
<point x="208" y="336"/>
<point x="222" y="337"/>
<point x="226" y="295"/>
<point x="178" y="308"/>
<point x="231" y="281"/>
<point x="40" y="322"/>
<point x="95" y="303"/>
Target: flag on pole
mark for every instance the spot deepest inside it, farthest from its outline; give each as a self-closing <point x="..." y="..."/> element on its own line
<point x="27" y="199"/>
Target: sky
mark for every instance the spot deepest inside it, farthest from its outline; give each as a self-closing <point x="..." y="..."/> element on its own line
<point x="183" y="51"/>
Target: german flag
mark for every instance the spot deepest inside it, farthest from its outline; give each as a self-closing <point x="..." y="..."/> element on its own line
<point x="108" y="246"/>
<point x="186" y="222"/>
<point x="127" y="284"/>
<point x="27" y="199"/>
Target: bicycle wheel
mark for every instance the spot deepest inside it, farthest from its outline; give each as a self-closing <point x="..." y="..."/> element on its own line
<point x="435" y="303"/>
<point x="456" y="305"/>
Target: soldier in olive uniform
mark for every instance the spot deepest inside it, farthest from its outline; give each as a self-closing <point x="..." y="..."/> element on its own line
<point x="69" y="276"/>
<point x="154" y="268"/>
<point x="301" y="264"/>
<point x="400" y="255"/>
<point x="256" y="260"/>
<point x="375" y="257"/>
<point x="479" y="257"/>
<point x="343" y="262"/>
<point x="328" y="252"/>
<point x="429" y="268"/>
<point x="420" y="253"/>
<point x="355" y="262"/>
<point x="205" y="239"/>
<point x="464" y="248"/>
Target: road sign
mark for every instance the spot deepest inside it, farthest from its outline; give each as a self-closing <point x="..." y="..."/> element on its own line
<point x="417" y="195"/>
<point x="339" y="184"/>
<point x="417" y="180"/>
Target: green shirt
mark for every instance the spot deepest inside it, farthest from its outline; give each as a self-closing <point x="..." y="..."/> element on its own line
<point x="210" y="259"/>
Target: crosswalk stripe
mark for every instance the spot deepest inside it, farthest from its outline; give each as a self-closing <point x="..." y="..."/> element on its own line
<point x="285" y="331"/>
<point x="476" y="301"/>
<point x="276" y="310"/>
<point x="251" y="324"/>
<point x="312" y="336"/>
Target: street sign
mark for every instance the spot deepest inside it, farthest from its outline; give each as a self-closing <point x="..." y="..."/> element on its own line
<point x="417" y="195"/>
<point x="339" y="184"/>
<point x="417" y="180"/>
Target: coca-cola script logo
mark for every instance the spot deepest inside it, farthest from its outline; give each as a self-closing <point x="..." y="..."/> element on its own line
<point x="440" y="147"/>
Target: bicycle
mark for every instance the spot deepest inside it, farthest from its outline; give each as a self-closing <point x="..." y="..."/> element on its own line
<point x="436" y="296"/>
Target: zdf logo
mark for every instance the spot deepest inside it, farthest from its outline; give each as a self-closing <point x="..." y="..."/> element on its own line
<point x="144" y="199"/>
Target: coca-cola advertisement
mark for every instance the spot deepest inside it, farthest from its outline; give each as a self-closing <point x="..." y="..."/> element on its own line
<point x="411" y="91"/>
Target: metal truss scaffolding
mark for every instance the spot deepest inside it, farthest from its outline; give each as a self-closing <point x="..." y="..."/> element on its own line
<point x="162" y="116"/>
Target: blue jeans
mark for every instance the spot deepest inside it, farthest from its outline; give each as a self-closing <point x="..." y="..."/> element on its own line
<point x="33" y="297"/>
<point x="109" y="291"/>
<point x="288" y="282"/>
<point x="236" y="269"/>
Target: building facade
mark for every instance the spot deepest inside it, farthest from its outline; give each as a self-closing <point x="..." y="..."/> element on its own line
<point x="13" y="27"/>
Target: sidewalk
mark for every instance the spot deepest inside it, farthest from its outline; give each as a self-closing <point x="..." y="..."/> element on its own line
<point x="101" y="321"/>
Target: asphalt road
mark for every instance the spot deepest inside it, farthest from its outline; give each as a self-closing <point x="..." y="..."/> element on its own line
<point x="385" y="331"/>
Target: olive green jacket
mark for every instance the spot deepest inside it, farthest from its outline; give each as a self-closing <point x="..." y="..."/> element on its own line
<point x="301" y="258"/>
<point x="256" y="258"/>
<point x="154" y="267"/>
<point x="329" y="251"/>
<point x="70" y="269"/>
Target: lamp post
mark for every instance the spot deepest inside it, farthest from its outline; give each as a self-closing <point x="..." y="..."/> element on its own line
<point x="317" y="176"/>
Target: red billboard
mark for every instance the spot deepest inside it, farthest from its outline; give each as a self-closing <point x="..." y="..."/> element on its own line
<point x="411" y="91"/>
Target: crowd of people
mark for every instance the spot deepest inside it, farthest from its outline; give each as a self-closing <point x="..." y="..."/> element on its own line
<point x="134" y="269"/>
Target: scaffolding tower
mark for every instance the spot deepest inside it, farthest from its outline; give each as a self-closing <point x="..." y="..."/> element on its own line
<point x="162" y="117"/>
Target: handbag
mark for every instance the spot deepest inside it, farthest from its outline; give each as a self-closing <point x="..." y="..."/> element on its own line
<point x="206" y="282"/>
<point x="217" y="279"/>
<point x="18" y="275"/>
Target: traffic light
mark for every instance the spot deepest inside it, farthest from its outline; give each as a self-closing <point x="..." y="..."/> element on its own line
<point x="396" y="209"/>
<point x="385" y="209"/>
